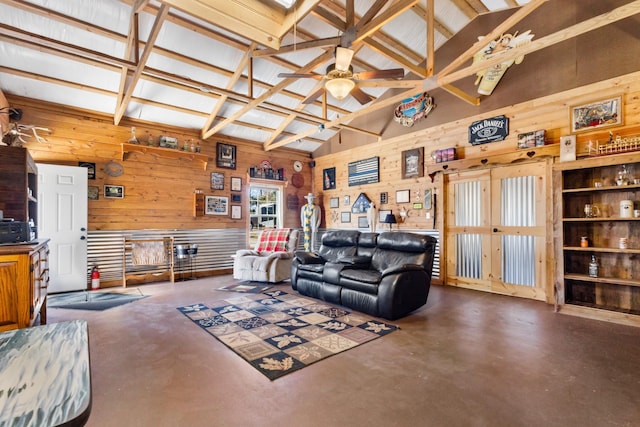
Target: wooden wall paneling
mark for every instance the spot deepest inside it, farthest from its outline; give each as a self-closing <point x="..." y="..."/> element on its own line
<point x="158" y="191"/>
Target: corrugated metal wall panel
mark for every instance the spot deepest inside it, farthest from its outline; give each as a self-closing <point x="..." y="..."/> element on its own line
<point x="215" y="247"/>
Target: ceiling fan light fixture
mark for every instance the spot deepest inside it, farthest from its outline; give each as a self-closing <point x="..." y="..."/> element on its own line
<point x="339" y="88"/>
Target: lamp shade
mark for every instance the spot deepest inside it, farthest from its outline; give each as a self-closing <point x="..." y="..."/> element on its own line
<point x="339" y="88"/>
<point x="390" y="219"/>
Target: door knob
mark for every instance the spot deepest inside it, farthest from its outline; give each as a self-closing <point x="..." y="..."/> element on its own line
<point x="83" y="229"/>
<point x="83" y="238"/>
<point x="495" y="230"/>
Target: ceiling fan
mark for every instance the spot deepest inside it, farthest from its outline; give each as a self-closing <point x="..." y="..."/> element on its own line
<point x="340" y="80"/>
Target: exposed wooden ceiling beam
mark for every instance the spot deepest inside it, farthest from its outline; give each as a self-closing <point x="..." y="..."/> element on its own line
<point x="518" y="16"/>
<point x="434" y="82"/>
<point x="131" y="85"/>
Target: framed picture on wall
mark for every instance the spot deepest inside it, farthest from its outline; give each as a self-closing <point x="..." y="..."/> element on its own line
<point x="216" y="205"/>
<point x="402" y="196"/>
<point x="217" y="181"/>
<point x="236" y="212"/>
<point x="345" y="217"/>
<point x="236" y="183"/>
<point x="93" y="192"/>
<point x="413" y="163"/>
<point x="363" y="222"/>
<point x="382" y="215"/>
<point x="113" y="192"/>
<point x="334" y="202"/>
<point x="596" y="114"/>
<point x="226" y="156"/>
<point x="236" y="198"/>
<point x="329" y="179"/>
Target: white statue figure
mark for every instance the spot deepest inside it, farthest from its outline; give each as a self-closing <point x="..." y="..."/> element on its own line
<point x="372" y="217"/>
<point x="310" y="220"/>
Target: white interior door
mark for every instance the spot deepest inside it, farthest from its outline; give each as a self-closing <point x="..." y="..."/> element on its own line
<point x="62" y="217"/>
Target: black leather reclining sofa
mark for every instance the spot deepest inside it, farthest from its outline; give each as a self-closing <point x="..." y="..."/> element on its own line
<point x="385" y="275"/>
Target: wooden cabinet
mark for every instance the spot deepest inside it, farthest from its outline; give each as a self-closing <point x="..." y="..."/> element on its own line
<point x="18" y="185"/>
<point x="24" y="278"/>
<point x="609" y="234"/>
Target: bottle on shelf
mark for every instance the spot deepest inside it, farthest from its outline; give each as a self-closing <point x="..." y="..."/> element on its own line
<point x="150" y="140"/>
<point x="593" y="267"/>
<point x="133" y="139"/>
<point x="198" y="147"/>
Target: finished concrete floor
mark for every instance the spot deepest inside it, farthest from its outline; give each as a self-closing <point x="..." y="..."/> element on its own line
<point x="467" y="358"/>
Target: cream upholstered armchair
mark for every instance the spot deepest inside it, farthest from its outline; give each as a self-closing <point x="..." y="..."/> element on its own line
<point x="270" y="261"/>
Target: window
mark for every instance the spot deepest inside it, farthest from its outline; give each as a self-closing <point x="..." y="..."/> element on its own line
<point x="265" y="209"/>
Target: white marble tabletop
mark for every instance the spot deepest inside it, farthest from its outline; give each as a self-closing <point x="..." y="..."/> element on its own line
<point x="45" y="377"/>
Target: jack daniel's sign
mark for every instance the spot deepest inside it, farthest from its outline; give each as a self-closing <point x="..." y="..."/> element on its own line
<point x="489" y="130"/>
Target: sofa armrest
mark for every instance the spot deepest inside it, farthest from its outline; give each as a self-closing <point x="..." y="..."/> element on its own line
<point x="395" y="269"/>
<point x="277" y="255"/>
<point x="247" y="252"/>
<point x="308" y="258"/>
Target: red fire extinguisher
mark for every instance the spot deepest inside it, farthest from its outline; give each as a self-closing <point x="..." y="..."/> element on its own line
<point x="95" y="278"/>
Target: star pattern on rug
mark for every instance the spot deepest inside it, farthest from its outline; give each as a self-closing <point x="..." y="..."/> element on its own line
<point x="278" y="333"/>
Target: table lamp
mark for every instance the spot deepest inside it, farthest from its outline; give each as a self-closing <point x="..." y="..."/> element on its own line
<point x="390" y="219"/>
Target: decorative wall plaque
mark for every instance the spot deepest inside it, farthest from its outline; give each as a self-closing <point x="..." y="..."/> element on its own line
<point x="489" y="130"/>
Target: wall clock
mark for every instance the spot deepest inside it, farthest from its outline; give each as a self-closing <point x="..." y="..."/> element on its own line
<point x="297" y="166"/>
<point x="113" y="169"/>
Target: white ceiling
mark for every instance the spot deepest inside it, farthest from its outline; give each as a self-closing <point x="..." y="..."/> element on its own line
<point x="73" y="52"/>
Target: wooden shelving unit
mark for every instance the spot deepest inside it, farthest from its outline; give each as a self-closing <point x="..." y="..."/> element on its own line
<point x="614" y="295"/>
<point x="168" y="153"/>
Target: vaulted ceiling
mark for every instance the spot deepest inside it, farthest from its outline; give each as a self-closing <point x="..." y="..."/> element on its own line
<point x="214" y="65"/>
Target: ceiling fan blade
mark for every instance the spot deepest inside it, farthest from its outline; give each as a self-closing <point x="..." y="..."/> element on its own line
<point x="314" y="95"/>
<point x="343" y="58"/>
<point x="392" y="73"/>
<point x="360" y="96"/>
<point x="300" y="76"/>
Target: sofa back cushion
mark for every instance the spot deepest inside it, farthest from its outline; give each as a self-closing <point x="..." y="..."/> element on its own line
<point x="273" y="240"/>
<point x="398" y="248"/>
<point x="367" y="244"/>
<point x="339" y="244"/>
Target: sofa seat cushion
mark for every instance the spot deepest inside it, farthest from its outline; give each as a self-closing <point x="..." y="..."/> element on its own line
<point x="367" y="276"/>
<point x="360" y="287"/>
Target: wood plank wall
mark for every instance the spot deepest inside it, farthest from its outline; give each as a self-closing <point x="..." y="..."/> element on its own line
<point x="550" y="113"/>
<point x="159" y="192"/>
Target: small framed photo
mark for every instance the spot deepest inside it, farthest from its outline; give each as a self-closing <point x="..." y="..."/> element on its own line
<point x="413" y="163"/>
<point x="236" y="198"/>
<point x="217" y="181"/>
<point x="362" y="222"/>
<point x="417" y="206"/>
<point x="382" y="215"/>
<point x="345" y="217"/>
<point x="216" y="205"/>
<point x="596" y="114"/>
<point x="91" y="169"/>
<point x="93" y="192"/>
<point x="402" y="196"/>
<point x="334" y="202"/>
<point x="236" y="183"/>
<point x="113" y="192"/>
<point x="226" y="156"/>
<point x="329" y="179"/>
<point x="236" y="212"/>
<point x="384" y="198"/>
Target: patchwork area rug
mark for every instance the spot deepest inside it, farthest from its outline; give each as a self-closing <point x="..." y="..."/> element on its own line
<point x="245" y="288"/>
<point x="279" y="333"/>
<point x="92" y="300"/>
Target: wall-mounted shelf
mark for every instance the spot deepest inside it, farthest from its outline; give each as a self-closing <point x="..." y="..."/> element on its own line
<point x="168" y="153"/>
<point x="282" y="182"/>
<point x="551" y="150"/>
